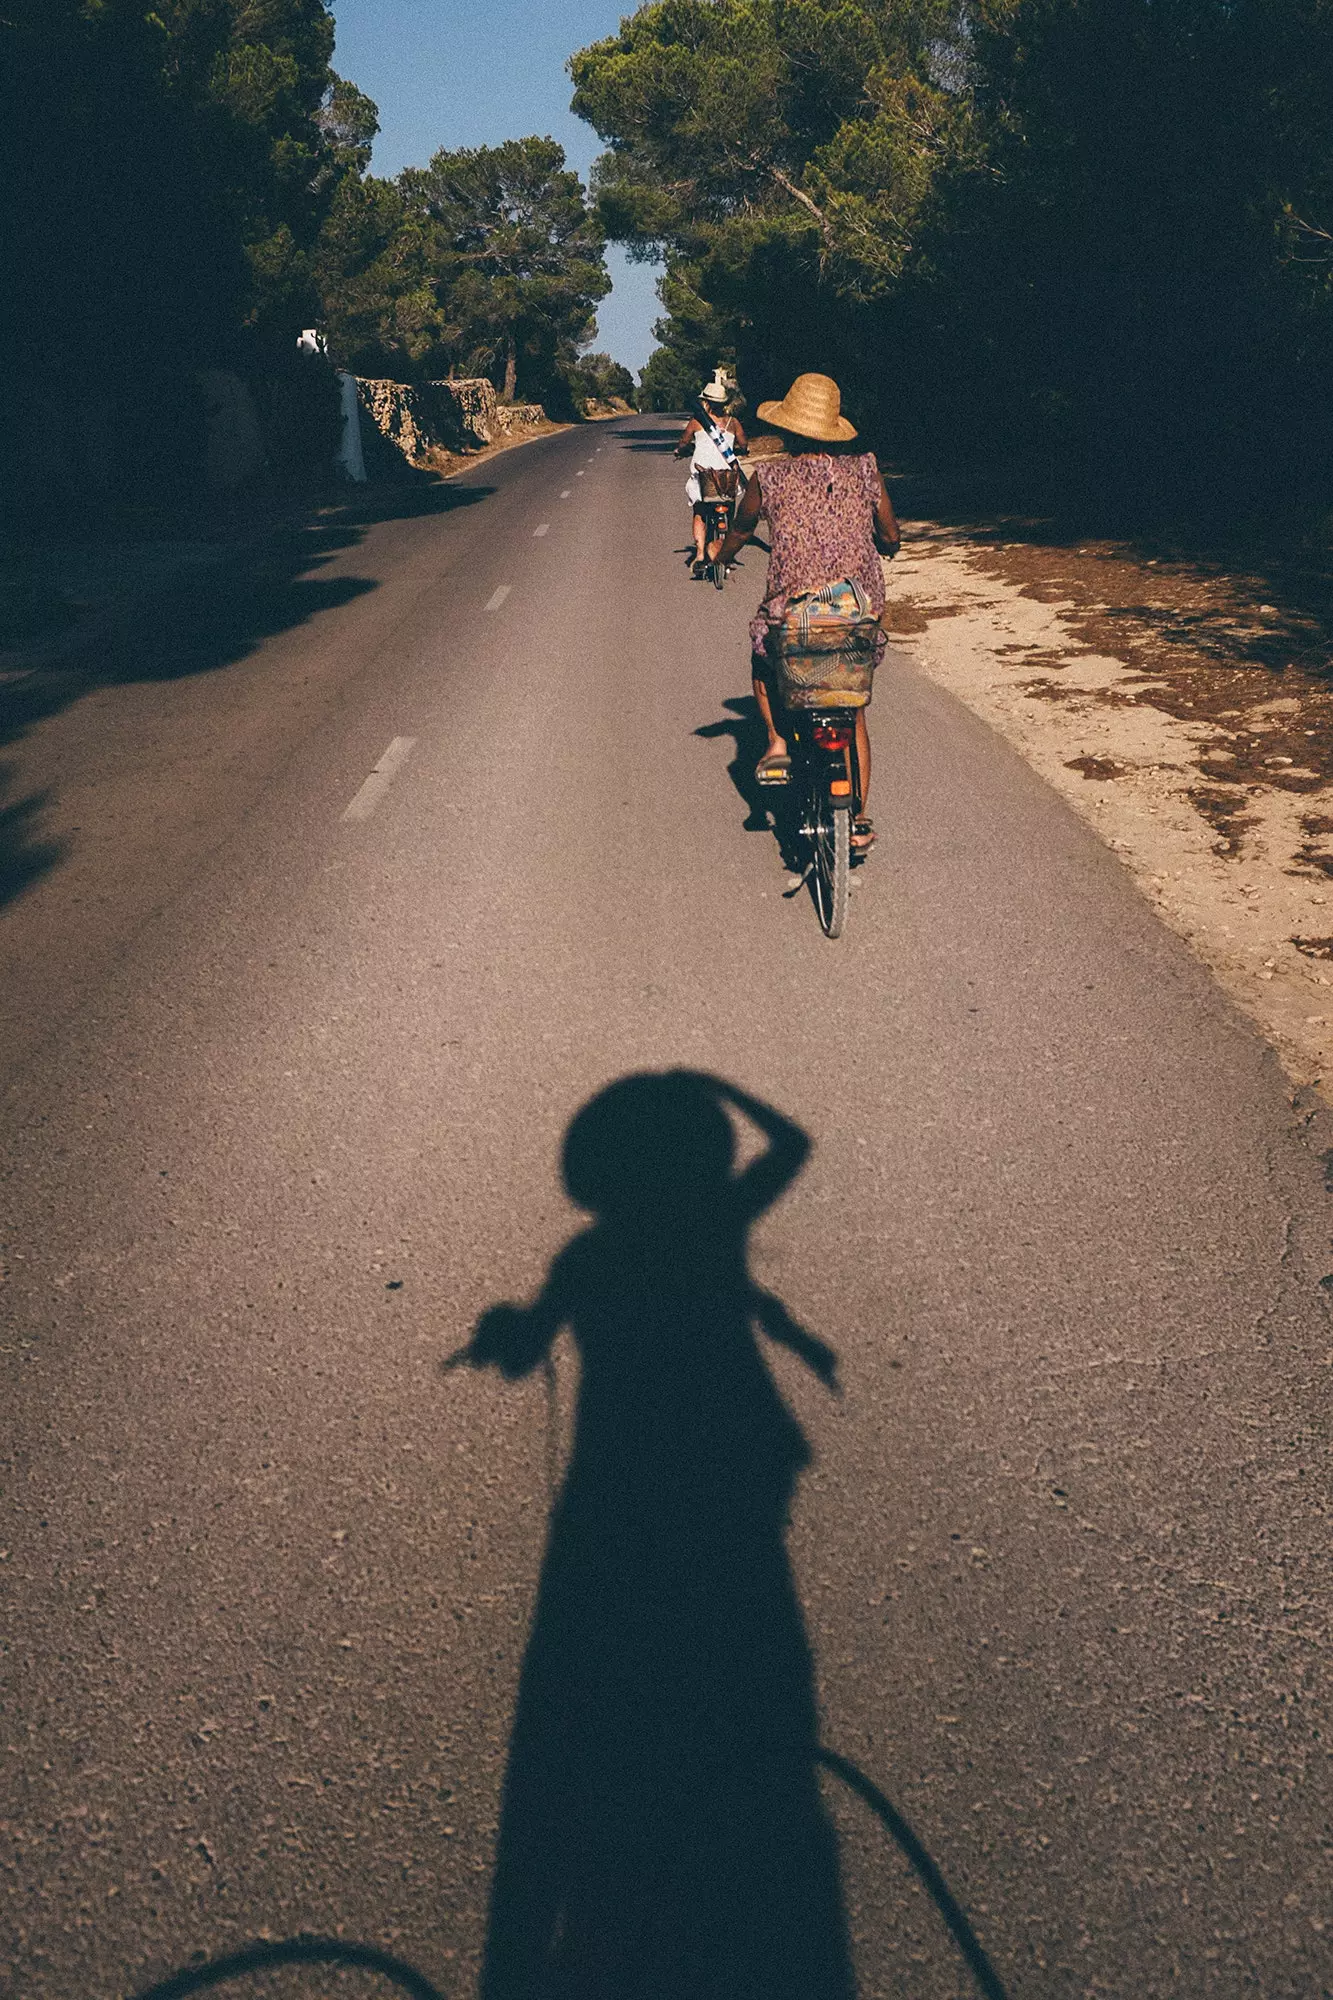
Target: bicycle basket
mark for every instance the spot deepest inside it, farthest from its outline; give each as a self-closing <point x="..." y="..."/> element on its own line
<point x="825" y="649"/>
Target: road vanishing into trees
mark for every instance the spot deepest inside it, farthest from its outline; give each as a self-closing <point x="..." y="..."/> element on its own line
<point x="363" y="870"/>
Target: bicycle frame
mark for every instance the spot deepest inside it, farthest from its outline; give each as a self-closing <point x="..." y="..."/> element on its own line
<point x="826" y="781"/>
<point x="718" y="515"/>
<point x="824" y="754"/>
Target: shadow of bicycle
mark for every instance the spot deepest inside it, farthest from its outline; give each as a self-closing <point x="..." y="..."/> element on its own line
<point x="254" y="1961"/>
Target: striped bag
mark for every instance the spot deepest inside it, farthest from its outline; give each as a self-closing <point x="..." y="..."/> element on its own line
<point x="825" y="647"/>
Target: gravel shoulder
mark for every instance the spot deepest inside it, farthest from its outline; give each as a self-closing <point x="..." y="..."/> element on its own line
<point x="1184" y="716"/>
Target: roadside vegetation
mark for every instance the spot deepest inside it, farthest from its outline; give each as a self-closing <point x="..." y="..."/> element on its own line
<point x="488" y="261"/>
<point x="188" y="186"/>
<point x="1085" y="240"/>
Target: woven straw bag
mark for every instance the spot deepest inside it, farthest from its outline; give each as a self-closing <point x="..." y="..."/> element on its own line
<point x="825" y="647"/>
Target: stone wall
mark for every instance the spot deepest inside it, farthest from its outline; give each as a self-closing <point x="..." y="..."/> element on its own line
<point x="475" y="410"/>
<point x="514" y="416"/>
<point x="416" y="418"/>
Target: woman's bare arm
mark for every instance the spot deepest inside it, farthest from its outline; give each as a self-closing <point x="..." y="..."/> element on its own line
<point x="888" y="535"/>
<point x="687" y="437"/>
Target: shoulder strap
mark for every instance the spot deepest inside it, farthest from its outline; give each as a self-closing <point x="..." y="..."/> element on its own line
<point x="722" y="439"/>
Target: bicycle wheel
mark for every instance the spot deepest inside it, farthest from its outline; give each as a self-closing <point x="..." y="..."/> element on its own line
<point x="831" y="839"/>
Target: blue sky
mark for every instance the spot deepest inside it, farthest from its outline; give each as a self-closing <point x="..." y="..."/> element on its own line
<point x="449" y="73"/>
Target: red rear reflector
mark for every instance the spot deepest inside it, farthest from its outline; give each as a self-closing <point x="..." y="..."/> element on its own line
<point x="840" y="788"/>
<point x="831" y="737"/>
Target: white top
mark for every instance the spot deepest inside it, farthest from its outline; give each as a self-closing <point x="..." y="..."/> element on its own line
<point x="708" y="457"/>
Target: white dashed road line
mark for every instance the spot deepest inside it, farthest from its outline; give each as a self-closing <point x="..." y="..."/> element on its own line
<point x="498" y="597"/>
<point x="565" y="494"/>
<point x="543" y="529"/>
<point x="578" y="475"/>
<point x="377" y="784"/>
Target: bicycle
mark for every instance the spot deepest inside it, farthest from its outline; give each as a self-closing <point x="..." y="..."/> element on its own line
<point x="826" y="796"/>
<point x="718" y="513"/>
<point x="823" y="657"/>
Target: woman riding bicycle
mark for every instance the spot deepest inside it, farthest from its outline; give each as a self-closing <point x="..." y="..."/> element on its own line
<point x="831" y="518"/>
<point x="713" y="443"/>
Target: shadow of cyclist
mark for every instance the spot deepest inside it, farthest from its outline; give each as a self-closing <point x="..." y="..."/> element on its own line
<point x="662" y="1831"/>
<point x="772" y="811"/>
<point x="747" y="732"/>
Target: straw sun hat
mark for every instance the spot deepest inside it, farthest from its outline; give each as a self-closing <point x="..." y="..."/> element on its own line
<point x="715" y="391"/>
<point x="811" y="408"/>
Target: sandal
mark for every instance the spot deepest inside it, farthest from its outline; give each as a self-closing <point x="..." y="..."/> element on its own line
<point x="773" y="769"/>
<point x="863" y="838"/>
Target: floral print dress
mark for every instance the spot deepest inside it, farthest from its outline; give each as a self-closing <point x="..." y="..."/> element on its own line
<point x="821" y="514"/>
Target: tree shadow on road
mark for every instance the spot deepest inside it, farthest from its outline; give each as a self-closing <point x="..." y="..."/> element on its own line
<point x="207" y="619"/>
<point x="662" y="1831"/>
<point x="660" y="440"/>
<point x="24" y="854"/>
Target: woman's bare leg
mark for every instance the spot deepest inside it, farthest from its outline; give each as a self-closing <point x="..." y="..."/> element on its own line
<point x="700" y="535"/>
<point x="863" y="843"/>
<point x="764" y="705"/>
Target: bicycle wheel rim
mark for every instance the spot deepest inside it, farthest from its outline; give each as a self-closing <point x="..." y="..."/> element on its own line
<point x="831" y="840"/>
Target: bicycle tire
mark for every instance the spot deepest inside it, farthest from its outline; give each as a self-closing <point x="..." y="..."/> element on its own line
<point x="831" y="840"/>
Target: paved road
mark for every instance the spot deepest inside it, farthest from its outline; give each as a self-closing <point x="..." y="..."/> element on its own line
<point x="1036" y="1244"/>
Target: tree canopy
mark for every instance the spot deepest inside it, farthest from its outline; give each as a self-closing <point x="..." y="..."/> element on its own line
<point x="1073" y="229"/>
<point x="517" y="255"/>
<point x="487" y="261"/>
<point x="188" y="185"/>
<point x="167" y="173"/>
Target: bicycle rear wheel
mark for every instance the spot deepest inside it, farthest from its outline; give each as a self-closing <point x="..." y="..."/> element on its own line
<point x="831" y="840"/>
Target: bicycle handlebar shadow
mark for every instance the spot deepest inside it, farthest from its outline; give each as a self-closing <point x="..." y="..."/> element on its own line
<point x="662" y="1826"/>
<point x="270" y="1955"/>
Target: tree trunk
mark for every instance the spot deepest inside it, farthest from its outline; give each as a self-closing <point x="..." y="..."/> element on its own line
<point x="511" y="373"/>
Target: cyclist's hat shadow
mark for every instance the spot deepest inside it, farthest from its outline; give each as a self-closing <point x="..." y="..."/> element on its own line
<point x="662" y="1828"/>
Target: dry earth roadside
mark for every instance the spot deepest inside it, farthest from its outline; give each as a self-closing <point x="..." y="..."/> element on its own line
<point x="1185" y="711"/>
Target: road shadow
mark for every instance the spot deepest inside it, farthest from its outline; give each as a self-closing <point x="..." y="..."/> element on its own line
<point x="659" y="439"/>
<point x="269" y="1955"/>
<point x="205" y="620"/>
<point x="24" y="854"/>
<point x="662" y="1829"/>
<point x="767" y="811"/>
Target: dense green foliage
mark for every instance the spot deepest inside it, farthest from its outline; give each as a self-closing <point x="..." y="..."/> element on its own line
<point x="187" y="186"/>
<point x="597" y="378"/>
<point x="486" y="262"/>
<point x="167" y="174"/>
<point x="1087" y="233"/>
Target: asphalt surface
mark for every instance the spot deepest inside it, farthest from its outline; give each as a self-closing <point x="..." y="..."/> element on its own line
<point x="285" y="1096"/>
